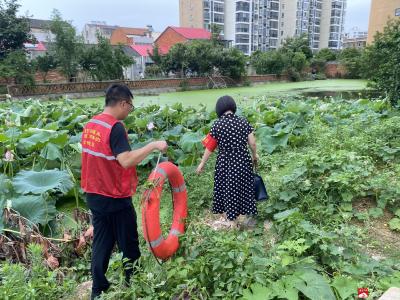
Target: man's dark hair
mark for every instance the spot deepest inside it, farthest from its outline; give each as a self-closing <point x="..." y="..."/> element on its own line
<point x="224" y="104"/>
<point x="117" y="93"/>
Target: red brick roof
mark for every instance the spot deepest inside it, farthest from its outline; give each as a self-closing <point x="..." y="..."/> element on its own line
<point x="193" y="33"/>
<point x="143" y="50"/>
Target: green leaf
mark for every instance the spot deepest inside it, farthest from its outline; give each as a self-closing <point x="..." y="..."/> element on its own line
<point x="375" y="212"/>
<point x="35" y="208"/>
<point x="284" y="214"/>
<point x="39" y="137"/>
<point x="191" y="141"/>
<point x="287" y="195"/>
<point x="3" y="138"/>
<point x="26" y="182"/>
<point x="394" y="224"/>
<point x="397" y="212"/>
<point x="51" y="152"/>
<point x="257" y="292"/>
<point x="313" y="285"/>
<point x="284" y="289"/>
<point x="270" y="139"/>
<point x="5" y="186"/>
<point x="286" y="260"/>
<point x="345" y="286"/>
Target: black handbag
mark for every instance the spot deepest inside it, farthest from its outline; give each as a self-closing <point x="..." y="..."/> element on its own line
<point x="259" y="188"/>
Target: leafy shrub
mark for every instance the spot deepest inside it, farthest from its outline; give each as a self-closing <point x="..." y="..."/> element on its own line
<point x="35" y="282"/>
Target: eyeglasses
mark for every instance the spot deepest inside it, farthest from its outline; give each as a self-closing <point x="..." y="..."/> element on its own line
<point x="131" y="107"/>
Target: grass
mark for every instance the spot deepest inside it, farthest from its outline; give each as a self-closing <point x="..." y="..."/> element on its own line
<point x="208" y="97"/>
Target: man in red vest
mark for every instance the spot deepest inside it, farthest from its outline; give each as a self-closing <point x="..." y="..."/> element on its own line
<point x="109" y="180"/>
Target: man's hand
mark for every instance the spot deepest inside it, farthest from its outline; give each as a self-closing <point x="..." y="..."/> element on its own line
<point x="161" y="146"/>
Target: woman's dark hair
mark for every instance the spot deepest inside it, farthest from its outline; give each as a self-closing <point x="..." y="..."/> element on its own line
<point x="224" y="104"/>
<point x="117" y="93"/>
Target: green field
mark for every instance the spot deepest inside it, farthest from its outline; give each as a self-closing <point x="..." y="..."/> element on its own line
<point x="209" y="97"/>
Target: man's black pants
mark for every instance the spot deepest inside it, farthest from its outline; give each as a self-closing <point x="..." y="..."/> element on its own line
<point x="109" y="228"/>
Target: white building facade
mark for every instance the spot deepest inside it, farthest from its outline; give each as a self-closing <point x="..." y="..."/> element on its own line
<point x="264" y="24"/>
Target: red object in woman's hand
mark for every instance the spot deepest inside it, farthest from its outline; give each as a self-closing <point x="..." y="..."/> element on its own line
<point x="209" y="142"/>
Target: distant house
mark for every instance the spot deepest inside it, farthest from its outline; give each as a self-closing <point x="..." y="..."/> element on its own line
<point x="131" y="36"/>
<point x="141" y="55"/>
<point x="40" y="29"/>
<point x="90" y="31"/>
<point x="174" y="35"/>
<point x="355" y="39"/>
<point x="35" y="50"/>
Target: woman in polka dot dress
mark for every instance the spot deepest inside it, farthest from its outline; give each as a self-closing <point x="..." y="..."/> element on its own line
<point x="233" y="179"/>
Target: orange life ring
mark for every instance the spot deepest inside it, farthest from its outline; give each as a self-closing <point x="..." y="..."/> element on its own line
<point x="164" y="248"/>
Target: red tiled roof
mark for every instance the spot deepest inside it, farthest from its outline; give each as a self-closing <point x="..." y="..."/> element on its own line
<point x="193" y="33"/>
<point x="163" y="49"/>
<point x="143" y="50"/>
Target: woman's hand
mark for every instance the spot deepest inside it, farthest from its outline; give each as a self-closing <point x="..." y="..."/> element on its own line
<point x="200" y="168"/>
<point x="256" y="159"/>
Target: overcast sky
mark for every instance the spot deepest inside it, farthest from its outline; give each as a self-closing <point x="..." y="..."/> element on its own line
<point x="139" y="13"/>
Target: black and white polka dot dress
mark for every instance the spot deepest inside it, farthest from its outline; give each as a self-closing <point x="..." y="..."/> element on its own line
<point x="233" y="179"/>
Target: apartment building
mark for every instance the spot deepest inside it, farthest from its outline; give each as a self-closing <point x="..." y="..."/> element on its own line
<point x="265" y="24"/>
<point x="381" y="12"/>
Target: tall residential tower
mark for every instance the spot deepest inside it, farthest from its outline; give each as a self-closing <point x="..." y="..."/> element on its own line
<point x="264" y="24"/>
<point x="381" y="12"/>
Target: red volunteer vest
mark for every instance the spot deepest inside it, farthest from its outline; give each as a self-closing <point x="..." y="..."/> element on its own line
<point x="101" y="172"/>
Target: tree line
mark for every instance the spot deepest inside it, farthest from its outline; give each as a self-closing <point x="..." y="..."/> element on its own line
<point x="378" y="62"/>
<point x="67" y="53"/>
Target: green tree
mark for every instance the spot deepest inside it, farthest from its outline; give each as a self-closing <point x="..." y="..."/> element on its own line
<point x="67" y="47"/>
<point x="353" y="61"/>
<point x="15" y="65"/>
<point x="14" y="31"/>
<point x="103" y="62"/>
<point x="271" y="62"/>
<point x="326" y="54"/>
<point x="232" y="63"/>
<point x="156" y="56"/>
<point x="177" y="59"/>
<point x="201" y="56"/>
<point x="45" y="63"/>
<point x="383" y="59"/>
<point x="297" y="44"/>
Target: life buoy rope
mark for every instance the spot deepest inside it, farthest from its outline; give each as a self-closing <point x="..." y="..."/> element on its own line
<point x="160" y="247"/>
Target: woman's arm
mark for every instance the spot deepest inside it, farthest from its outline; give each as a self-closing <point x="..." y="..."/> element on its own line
<point x="204" y="160"/>
<point x="253" y="146"/>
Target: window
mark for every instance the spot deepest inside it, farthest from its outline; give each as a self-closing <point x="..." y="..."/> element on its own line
<point x="242" y="17"/>
<point x="243" y="6"/>
<point x="218" y="18"/>
<point x="242" y="28"/>
<point x="242" y="39"/>
<point x="243" y="48"/>
<point x="275" y="6"/>
<point x="218" y="7"/>
<point x="397" y="12"/>
<point x="333" y="44"/>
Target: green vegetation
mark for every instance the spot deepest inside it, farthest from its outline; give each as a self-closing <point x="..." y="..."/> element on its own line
<point x="209" y="97"/>
<point x="382" y="59"/>
<point x="14" y="32"/>
<point x="320" y="158"/>
<point x="201" y="58"/>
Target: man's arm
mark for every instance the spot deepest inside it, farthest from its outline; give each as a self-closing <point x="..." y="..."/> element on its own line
<point x="132" y="158"/>
<point x="122" y="151"/>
